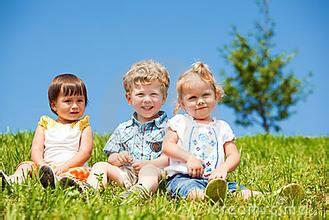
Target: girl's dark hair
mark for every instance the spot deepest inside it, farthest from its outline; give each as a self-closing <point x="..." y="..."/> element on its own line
<point x="68" y="84"/>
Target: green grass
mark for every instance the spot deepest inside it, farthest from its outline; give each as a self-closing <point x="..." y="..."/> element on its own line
<point x="267" y="163"/>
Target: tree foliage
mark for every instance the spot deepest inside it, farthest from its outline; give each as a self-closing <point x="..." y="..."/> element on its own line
<point x="260" y="90"/>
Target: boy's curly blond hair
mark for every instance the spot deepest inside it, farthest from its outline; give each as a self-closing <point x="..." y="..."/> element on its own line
<point x="145" y="72"/>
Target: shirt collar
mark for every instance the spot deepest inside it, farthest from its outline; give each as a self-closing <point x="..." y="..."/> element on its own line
<point x="160" y="121"/>
<point x="194" y="121"/>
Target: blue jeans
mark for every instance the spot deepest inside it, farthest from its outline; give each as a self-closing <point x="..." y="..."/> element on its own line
<point x="180" y="185"/>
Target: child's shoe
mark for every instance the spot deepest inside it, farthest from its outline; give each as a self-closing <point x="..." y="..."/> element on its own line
<point x="216" y="190"/>
<point x="291" y="191"/>
<point x="137" y="190"/>
<point x="66" y="182"/>
<point x="5" y="181"/>
<point x="47" y="176"/>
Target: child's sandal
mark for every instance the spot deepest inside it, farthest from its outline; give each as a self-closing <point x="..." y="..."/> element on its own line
<point x="292" y="191"/>
<point x="216" y="190"/>
<point x="47" y="177"/>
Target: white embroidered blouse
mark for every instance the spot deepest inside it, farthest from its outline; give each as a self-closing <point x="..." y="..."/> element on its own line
<point x="205" y="141"/>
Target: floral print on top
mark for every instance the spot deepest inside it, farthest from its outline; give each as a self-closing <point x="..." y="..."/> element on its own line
<point x="205" y="141"/>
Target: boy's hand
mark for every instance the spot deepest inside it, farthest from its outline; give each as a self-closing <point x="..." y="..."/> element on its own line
<point x="139" y="164"/>
<point x="124" y="158"/>
<point x="194" y="166"/>
<point x="220" y="172"/>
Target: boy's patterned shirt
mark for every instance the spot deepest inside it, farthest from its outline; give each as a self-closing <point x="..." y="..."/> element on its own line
<point x="142" y="141"/>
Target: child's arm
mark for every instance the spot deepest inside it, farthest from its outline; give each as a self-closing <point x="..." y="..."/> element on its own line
<point x="84" y="153"/>
<point x="171" y="149"/>
<point x="160" y="162"/>
<point x="37" y="148"/>
<point x="232" y="161"/>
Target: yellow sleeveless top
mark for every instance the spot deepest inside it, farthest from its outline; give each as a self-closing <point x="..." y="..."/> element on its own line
<point x="62" y="141"/>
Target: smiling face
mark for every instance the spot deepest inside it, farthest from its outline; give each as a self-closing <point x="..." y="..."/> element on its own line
<point x="198" y="99"/>
<point x="146" y="100"/>
<point x="69" y="108"/>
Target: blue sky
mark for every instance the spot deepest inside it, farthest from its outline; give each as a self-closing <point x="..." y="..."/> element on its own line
<point x="99" y="40"/>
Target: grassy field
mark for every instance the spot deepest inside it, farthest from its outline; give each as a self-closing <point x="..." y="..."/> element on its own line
<point x="267" y="163"/>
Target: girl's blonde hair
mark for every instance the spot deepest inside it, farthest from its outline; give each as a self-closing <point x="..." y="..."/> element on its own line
<point x="201" y="70"/>
<point x="144" y="73"/>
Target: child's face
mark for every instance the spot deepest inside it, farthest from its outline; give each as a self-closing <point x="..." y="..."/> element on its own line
<point x="198" y="99"/>
<point x="146" y="100"/>
<point x="69" y="108"/>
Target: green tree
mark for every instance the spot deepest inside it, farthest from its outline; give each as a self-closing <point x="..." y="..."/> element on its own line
<point x="260" y="90"/>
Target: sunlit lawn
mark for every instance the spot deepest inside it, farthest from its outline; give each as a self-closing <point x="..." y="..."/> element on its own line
<point x="267" y="163"/>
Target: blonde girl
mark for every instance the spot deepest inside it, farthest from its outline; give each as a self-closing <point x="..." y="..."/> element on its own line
<point x="201" y="148"/>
